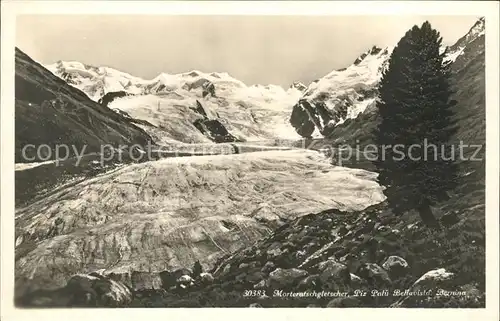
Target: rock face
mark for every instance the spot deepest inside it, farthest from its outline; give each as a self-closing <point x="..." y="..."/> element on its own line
<point x="248" y="113"/>
<point x="185" y="281"/>
<point x="167" y="214"/>
<point x="145" y="280"/>
<point x="208" y="89"/>
<point x="51" y="112"/>
<point x="104" y="291"/>
<point x="206" y="278"/>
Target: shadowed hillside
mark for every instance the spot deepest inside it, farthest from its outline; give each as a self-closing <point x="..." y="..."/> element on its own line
<point x="51" y="112"/>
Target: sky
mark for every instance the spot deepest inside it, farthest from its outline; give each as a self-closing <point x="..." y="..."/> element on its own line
<point x="254" y="49"/>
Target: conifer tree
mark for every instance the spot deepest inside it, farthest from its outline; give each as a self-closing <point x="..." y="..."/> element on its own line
<point x="415" y="159"/>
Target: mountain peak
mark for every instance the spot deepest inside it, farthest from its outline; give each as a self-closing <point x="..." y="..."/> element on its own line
<point x="298" y="85"/>
<point x="375" y="50"/>
<point x="477" y="30"/>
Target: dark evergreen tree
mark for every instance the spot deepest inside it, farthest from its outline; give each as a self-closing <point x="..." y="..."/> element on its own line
<point x="197" y="269"/>
<point x="415" y="109"/>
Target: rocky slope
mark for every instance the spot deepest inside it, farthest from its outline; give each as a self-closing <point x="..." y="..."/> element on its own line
<point x="469" y="86"/>
<point x="50" y="112"/>
<point x="167" y="214"/>
<point x="332" y="258"/>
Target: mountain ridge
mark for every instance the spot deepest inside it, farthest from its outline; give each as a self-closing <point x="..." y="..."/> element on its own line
<point x="346" y="93"/>
<point x="266" y="220"/>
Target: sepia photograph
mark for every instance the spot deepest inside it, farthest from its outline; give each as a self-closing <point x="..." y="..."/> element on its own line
<point x="249" y="160"/>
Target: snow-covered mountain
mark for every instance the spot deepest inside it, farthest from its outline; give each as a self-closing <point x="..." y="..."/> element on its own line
<point x="454" y="51"/>
<point x="255" y="112"/>
<point x="346" y="93"/>
<point x="298" y="85"/>
<point x="50" y="112"/>
<point x="96" y="81"/>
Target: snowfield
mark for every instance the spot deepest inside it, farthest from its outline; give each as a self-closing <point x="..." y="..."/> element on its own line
<point x="167" y="214"/>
